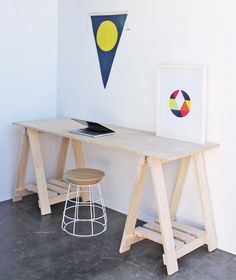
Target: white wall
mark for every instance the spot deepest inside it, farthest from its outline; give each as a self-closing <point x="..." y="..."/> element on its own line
<point x="28" y="62"/>
<point x="194" y="32"/>
<point x="200" y="32"/>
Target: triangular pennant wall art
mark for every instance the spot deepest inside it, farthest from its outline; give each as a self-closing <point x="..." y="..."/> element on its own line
<point x="107" y="30"/>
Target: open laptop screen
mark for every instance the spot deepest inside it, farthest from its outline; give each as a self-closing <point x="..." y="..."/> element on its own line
<point x="92" y="129"/>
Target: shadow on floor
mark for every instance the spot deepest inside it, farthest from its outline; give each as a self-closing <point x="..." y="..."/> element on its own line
<point x="35" y="248"/>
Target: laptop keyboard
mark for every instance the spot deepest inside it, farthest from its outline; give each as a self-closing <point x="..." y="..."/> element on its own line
<point x="89" y="131"/>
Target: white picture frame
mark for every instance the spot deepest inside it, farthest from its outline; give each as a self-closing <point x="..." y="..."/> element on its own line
<point x="186" y="85"/>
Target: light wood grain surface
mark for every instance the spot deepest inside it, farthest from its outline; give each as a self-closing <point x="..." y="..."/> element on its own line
<point x="133" y="140"/>
<point x="84" y="176"/>
<point x="178" y="240"/>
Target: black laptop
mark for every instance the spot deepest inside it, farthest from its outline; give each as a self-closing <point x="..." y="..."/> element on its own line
<point x="92" y="129"/>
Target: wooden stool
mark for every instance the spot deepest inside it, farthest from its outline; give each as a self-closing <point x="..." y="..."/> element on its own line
<point x="84" y="218"/>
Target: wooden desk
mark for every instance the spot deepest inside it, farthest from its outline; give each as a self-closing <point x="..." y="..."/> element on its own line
<point x="177" y="239"/>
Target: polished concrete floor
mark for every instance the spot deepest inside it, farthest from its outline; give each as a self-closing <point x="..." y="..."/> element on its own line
<point x="34" y="247"/>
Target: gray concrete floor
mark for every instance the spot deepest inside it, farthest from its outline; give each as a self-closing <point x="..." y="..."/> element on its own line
<point x="34" y="247"/>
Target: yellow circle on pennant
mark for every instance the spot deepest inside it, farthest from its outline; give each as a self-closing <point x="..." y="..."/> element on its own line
<point x="107" y="35"/>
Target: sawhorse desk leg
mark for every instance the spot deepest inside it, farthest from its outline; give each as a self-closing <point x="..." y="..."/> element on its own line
<point x="170" y="259"/>
<point x="30" y="140"/>
<point x="178" y="188"/>
<point x="129" y="236"/>
<point x="39" y="171"/>
<point x="22" y="165"/>
<point x="204" y="196"/>
<point x="206" y="202"/>
<point x="61" y="162"/>
<point x="79" y="160"/>
<point x="55" y="190"/>
<point x="177" y="239"/>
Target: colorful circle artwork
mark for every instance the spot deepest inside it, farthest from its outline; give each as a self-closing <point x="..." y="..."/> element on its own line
<point x="180" y="103"/>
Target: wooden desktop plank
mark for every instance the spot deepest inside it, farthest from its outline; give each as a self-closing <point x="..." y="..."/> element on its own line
<point x="133" y="140"/>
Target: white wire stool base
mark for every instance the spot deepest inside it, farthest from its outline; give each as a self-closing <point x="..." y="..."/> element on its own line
<point x="84" y="219"/>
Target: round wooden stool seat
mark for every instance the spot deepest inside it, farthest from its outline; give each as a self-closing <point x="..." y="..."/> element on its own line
<point x="84" y="176"/>
<point x="84" y="218"/>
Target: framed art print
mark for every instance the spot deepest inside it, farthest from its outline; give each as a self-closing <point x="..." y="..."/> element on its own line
<point x="181" y="102"/>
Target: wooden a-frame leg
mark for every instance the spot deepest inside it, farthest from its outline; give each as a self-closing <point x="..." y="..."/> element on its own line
<point x="22" y="165"/>
<point x="206" y="202"/>
<point x="78" y="153"/>
<point x="39" y="171"/>
<point x="79" y="160"/>
<point x="170" y="259"/>
<point x="62" y="157"/>
<point x="178" y="188"/>
<point x="128" y="234"/>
